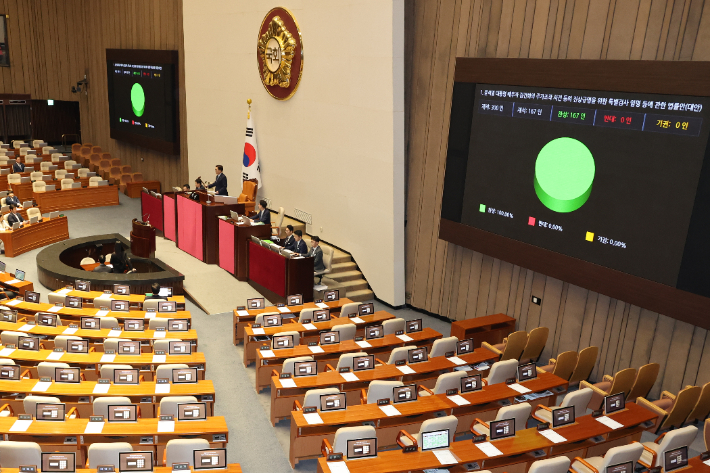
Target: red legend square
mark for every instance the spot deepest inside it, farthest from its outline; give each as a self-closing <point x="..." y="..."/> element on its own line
<point x="531" y="221"/>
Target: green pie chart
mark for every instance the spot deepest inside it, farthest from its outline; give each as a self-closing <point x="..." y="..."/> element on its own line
<point x="137" y="99"/>
<point x="564" y="173"/>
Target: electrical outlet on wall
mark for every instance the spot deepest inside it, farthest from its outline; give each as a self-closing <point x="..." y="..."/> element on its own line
<point x="536" y="300"/>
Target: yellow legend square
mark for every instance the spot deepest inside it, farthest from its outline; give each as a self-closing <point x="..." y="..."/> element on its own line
<point x="590" y="236"/>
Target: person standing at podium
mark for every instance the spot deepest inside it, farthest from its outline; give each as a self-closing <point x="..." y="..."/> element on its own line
<point x="220" y="182"/>
<point x="263" y="216"/>
<point x="120" y="260"/>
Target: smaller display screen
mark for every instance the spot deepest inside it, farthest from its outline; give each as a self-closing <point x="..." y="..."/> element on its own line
<point x="271" y="320"/>
<point x="134" y="325"/>
<point x="125" y="376"/>
<point x="28" y="343"/>
<point x="67" y="375"/>
<point x="374" y="331"/>
<point x="19" y="274"/>
<point x="414" y="326"/>
<point x="464" y="346"/>
<point x="167" y="306"/>
<point x="305" y="368"/>
<point x="192" y="411"/>
<point x="47" y="320"/>
<point x="502" y="429"/>
<point x="627" y="467"/>
<point x="179" y="348"/>
<point x="77" y="346"/>
<point x="257" y="303"/>
<point x="296" y="299"/>
<point x="366" y="309"/>
<point x="84" y="286"/>
<point x="332" y="402"/>
<point x="128" y="347"/>
<point x="562" y="416"/>
<point x="90" y="323"/>
<point x="53" y="412"/>
<point x="123" y="413"/>
<point x="331" y="296"/>
<point x="184" y="375"/>
<point x="527" y="371"/>
<point x="321" y="315"/>
<point x="362" y="448"/>
<point x="166" y="291"/>
<point x="471" y="383"/>
<point x="135" y="461"/>
<point x="74" y="302"/>
<point x="282" y="341"/>
<point x="119" y="306"/>
<point x="362" y="363"/>
<point x="121" y="289"/>
<point x="178" y="325"/>
<point x="404" y="393"/>
<point x="54" y="462"/>
<point x="210" y="459"/>
<point x="674" y="459"/>
<point x="435" y="439"/>
<point x="613" y="403"/>
<point x="417" y="355"/>
<point x="31" y="296"/>
<point x="329" y="338"/>
<point x="10" y="372"/>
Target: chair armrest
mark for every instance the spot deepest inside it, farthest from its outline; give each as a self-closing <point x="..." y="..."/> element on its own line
<point x="297" y="405"/>
<point x="608" y="378"/>
<point x="658" y="439"/>
<point x="9" y="408"/>
<point x="92" y="349"/>
<point x="326" y="448"/>
<point x="26" y="374"/>
<point x="165" y="456"/>
<point x="328" y="367"/>
<point x="540" y="406"/>
<point x="651" y="452"/>
<point x="141" y="378"/>
<point x="406" y="434"/>
<point x="490" y="347"/>
<point x="587" y="384"/>
<point x="41" y="346"/>
<point x="363" y="396"/>
<point x="72" y="412"/>
<point x="485" y="382"/>
<point x="138" y="412"/>
<point x="427" y="390"/>
<point x="380" y="361"/>
<point x="274" y="373"/>
<point x="82" y="376"/>
<point x="478" y="421"/>
<point x="650" y="406"/>
<point x="586" y="464"/>
<point x="667" y="395"/>
<point x="552" y="361"/>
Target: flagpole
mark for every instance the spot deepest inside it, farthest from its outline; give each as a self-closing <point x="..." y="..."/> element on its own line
<point x="249" y="111"/>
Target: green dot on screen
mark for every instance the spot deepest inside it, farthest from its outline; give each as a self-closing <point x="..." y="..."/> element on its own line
<point x="137" y="99"/>
<point x="564" y="173"/>
<point x="481" y="208"/>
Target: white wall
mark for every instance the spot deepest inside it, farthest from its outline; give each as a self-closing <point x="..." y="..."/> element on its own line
<point x="336" y="148"/>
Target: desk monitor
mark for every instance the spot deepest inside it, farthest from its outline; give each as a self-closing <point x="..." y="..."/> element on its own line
<point x="362" y="448"/>
<point x="404" y="393"/>
<point x="256" y="303"/>
<point x="614" y="403"/>
<point x="8" y="315"/>
<point x="2" y="266"/>
<point x="414" y="326"/>
<point x="90" y="323"/>
<point x="273" y="320"/>
<point x="135" y="461"/>
<point x="502" y="428"/>
<point x="330" y="296"/>
<point x="184" y="375"/>
<point x="470" y="384"/>
<point x="365" y="309"/>
<point x="464" y="346"/>
<point x="28" y="343"/>
<point x="128" y="347"/>
<point x="166" y="291"/>
<point x="210" y="459"/>
<point x="305" y="368"/>
<point x="10" y="372"/>
<point x="417" y="355"/>
<point x="321" y="315"/>
<point x="374" y="331"/>
<point x="58" y="462"/>
<point x="35" y="219"/>
<point x="234" y="215"/>
<point x="121" y="289"/>
<point x="435" y="439"/>
<point x="47" y="320"/>
<point x="627" y="467"/>
<point x="125" y="376"/>
<point x="527" y="371"/>
<point x="119" y="306"/>
<point x="31" y="296"/>
<point x="365" y="362"/>
<point x="134" y="325"/>
<point x="674" y="459"/>
<point x="329" y="338"/>
<point x="77" y="346"/>
<point x="123" y="413"/>
<point x="562" y="416"/>
<point x="282" y="341"/>
<point x="19" y="274"/>
<point x="82" y="285"/>
<point x="74" y="302"/>
<point x="192" y="411"/>
<point x="67" y="375"/>
<point x="332" y="402"/>
<point x="16" y="226"/>
<point x="178" y="325"/>
<point x="179" y="348"/>
<point x="167" y="306"/>
<point x="296" y="299"/>
<point x="46" y="411"/>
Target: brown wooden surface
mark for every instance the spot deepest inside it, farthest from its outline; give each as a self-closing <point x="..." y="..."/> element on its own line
<point x="19" y="287"/>
<point x="299" y="277"/>
<point x="142" y="240"/>
<point x="24" y="191"/>
<point x="137" y="299"/>
<point x="489" y="328"/>
<point x="134" y="189"/>
<point x="70" y="199"/>
<point x="33" y="236"/>
<point x="76" y="314"/>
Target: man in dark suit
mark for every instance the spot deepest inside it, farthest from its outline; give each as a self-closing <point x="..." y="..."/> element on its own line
<point x="155" y="287"/>
<point x="317" y="253"/>
<point x="14" y="216"/>
<point x="300" y="247"/>
<point x="18" y="167"/>
<point x="263" y="216"/>
<point x="290" y="241"/>
<point x="102" y="268"/>
<point x="12" y="199"/>
<point x="220" y="182"/>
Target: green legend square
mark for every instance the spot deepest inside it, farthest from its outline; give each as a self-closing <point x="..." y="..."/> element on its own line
<point x="481" y="208"/>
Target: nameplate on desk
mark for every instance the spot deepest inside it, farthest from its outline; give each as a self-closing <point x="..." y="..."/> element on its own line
<point x="107" y="292"/>
<point x="255" y="325"/>
<point x="285" y="375"/>
<point x="479" y="438"/>
<point x="96" y="418"/>
<point x="358" y="339"/>
<point x="597" y="413"/>
<point x="318" y="301"/>
<point x="73" y="326"/>
<point x="162" y="381"/>
<point x="69" y="286"/>
<point x="241" y="307"/>
<point x="103" y="381"/>
<point x="181" y="466"/>
<point x="400" y="362"/>
<point x="312" y="344"/>
<point x="28" y="468"/>
<point x="344" y="370"/>
<point x="335" y="457"/>
<point x="306" y="321"/>
<point x="166" y="418"/>
<point x="160" y="329"/>
<point x="147" y="440"/>
<point x="705" y="456"/>
<point x="24" y="417"/>
<point x="449" y="354"/>
<point x="110" y="352"/>
<point x="399" y="332"/>
<point x="11" y="345"/>
<point x="151" y="311"/>
<point x="410" y="448"/>
<point x="265" y="347"/>
<point x="310" y="410"/>
<point x="105" y="468"/>
<point x="45" y="379"/>
<point x="510" y="381"/>
<point x="159" y="352"/>
<point x="452" y="392"/>
<point x="280" y="305"/>
<point x="58" y="304"/>
<point x="543" y="426"/>
<point x="383" y="402"/>
<point x="58" y="350"/>
<point x="207" y="398"/>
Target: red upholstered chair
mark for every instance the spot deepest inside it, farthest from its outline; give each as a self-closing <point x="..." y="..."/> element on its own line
<point x="75" y="151"/>
<point x="95" y="149"/>
<point x="115" y="173"/>
<point x="137" y="177"/>
<point x="94" y="162"/>
<point x="126" y="169"/>
<point x="125" y="178"/>
<point x="248" y="195"/>
<point x="116" y="162"/>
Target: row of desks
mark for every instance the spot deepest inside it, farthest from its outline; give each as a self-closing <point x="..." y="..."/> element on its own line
<point x="36" y="235"/>
<point x="76" y="314"/>
<point x="133" y="299"/>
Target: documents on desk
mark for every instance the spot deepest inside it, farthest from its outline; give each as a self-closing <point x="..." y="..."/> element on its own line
<point x="307" y="327"/>
<point x="14" y="301"/>
<point x="102" y="313"/>
<point x="357" y="320"/>
<point x="338" y="467"/>
<point x="21" y="426"/>
<point x="162" y="388"/>
<point x="70" y="331"/>
<point x="166" y="426"/>
<point x="456" y="360"/>
<point x="63" y="292"/>
<point x="363" y="344"/>
<point x="101" y="389"/>
<point x="349" y="376"/>
<point x="244" y="313"/>
<point x="405" y="338"/>
<point x="6" y="351"/>
<point x="313" y="418"/>
<point x="316" y="349"/>
<point x="552" y="436"/>
<point x="406" y="369"/>
<point x="287" y="383"/>
<point x="260" y="331"/>
<point x="55" y="355"/>
<point x="55" y="308"/>
<point x="26" y="328"/>
<point x="459" y="400"/>
<point x="107" y="358"/>
<point x="609" y="422"/>
<point x="488" y="448"/>
<point x="267" y="354"/>
<point x="322" y="305"/>
<point x="390" y="410"/>
<point x="518" y="387"/>
<point x="159" y="358"/>
<point x="114" y="334"/>
<point x="41" y="386"/>
<point x="445" y="457"/>
<point x="94" y="427"/>
<point x="283" y="309"/>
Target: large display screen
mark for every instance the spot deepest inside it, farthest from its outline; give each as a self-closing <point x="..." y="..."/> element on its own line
<point x="612" y="178"/>
<point x="143" y="98"/>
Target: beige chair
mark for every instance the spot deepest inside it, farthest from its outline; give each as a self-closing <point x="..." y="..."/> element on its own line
<point x="14" y="179"/>
<point x="449" y="423"/>
<point x="94" y="181"/>
<point x="112" y="343"/>
<point x="443" y="346"/>
<point x="349" y="309"/>
<point x="61" y="341"/>
<point x="619" y="383"/>
<point x="69" y="164"/>
<point x="306" y="314"/>
<point x="34" y="212"/>
<point x="379" y="390"/>
<point x="106" y="453"/>
<point x="13" y="454"/>
<point x="398" y="354"/>
<point x="645" y="379"/>
<point x="551" y="465"/>
<point x="579" y="399"/>
<point x="59" y="174"/>
<point x="166" y="371"/>
<point x="562" y="366"/>
<point x="346" y="360"/>
<point x="392" y="326"/>
<point x="288" y="363"/>
<point x="537" y="339"/>
<point x="702" y="407"/>
<point x="183" y="450"/>
<point x="278" y="223"/>
<point x="501" y="371"/>
<point x="342" y="436"/>
<point x="47" y="368"/>
<point x="87" y="260"/>
<point x="67" y="183"/>
<point x="36" y="176"/>
<point x="106" y="371"/>
<point x="45" y="165"/>
<point x="169" y="404"/>
<point x="445" y="382"/>
<point x="672" y="410"/>
<point x="83" y="173"/>
<point x="614" y="456"/>
<point x="654" y="451"/>
<point x="312" y="397"/>
<point x="511" y="348"/>
<point x="346" y="331"/>
<point x="57" y="158"/>
<point x="100" y="405"/>
<point x="137" y="177"/>
<point x="29" y="404"/>
<point x="327" y="261"/>
<point x="39" y="186"/>
<point x="520" y="412"/>
<point x="585" y="364"/>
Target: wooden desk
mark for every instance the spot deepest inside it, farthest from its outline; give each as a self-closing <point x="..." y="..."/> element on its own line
<point x="490" y="328"/>
<point x="67" y="313"/>
<point x="234" y="246"/>
<point x="134" y="299"/>
<point x="134" y="189"/>
<point x="484" y="404"/>
<point x="280" y="275"/>
<point x="19" y="287"/>
<point x="517" y="451"/>
<point x="80" y="395"/>
<point x="4" y="186"/>
<point x="70" y="199"/>
<point x="29" y="237"/>
<point x="240" y="322"/>
<point x="312" y="335"/>
<point x="25" y="192"/>
<point x="231" y="468"/>
<point x="331" y="353"/>
<point x="426" y="374"/>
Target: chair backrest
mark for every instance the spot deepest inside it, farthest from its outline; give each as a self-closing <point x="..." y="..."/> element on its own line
<point x="296" y="337"/>
<point x="112" y="343"/>
<point x="439" y="423"/>
<point x="60" y="173"/>
<point x="29" y="404"/>
<point x="95" y="149"/>
<point x="349" y="309"/>
<point x="288" y="363"/>
<point x="347" y="331"/>
<point x="502" y="370"/>
<point x="60" y="341"/>
<point x="579" y="399"/>
<point x="36" y="176"/>
<point x="312" y="396"/>
<point x="449" y="381"/>
<point x="126" y="169"/>
<point x="102" y="302"/>
<point x="306" y="314"/>
<point x="443" y="346"/>
<point x="397" y="354"/>
<point x="82" y="172"/>
<point x="87" y="260"/>
<point x="622" y="454"/>
<point x="249" y="189"/>
<point x="94" y="181"/>
<point x="95" y="158"/>
<point x="8" y="336"/>
<point x="565" y="363"/>
<point x="39" y="186"/>
<point x="106" y="371"/>
<point x="164" y="344"/>
<point x="182" y="450"/>
<point x="137" y="177"/>
<point x="166" y="371"/>
<point x="684" y="402"/>
<point x="343" y="434"/>
<point x="101" y="404"/>
<point x="67" y="183"/>
<point x="13" y="454"/>
<point x="585" y="364"/>
<point x="280" y="217"/>
<point x="151" y="304"/>
<point x="44" y="165"/>
<point x="550" y="465"/>
<point x="259" y="319"/>
<point x="327" y="257"/>
<point x="106" y="453"/>
<point x="126" y="178"/>
<point x="537" y="338"/>
<point x="515" y="345"/>
<point x="346" y="359"/>
<point x="46" y="368"/>
<point x="115" y="162"/>
<point x="392" y="326"/>
<point x="14" y="178"/>
<point x="520" y="412"/>
<point x="109" y="322"/>
<point x="168" y="405"/>
<point x="33" y="212"/>
<point x="702" y="407"/>
<point x="675" y="439"/>
<point x="623" y="380"/>
<point x="381" y="390"/>
<point x="68" y="163"/>
<point x="104" y="164"/>
<point x="158" y="322"/>
<point x="645" y="379"/>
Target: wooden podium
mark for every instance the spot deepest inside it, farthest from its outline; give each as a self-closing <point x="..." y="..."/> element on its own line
<point x="142" y="240"/>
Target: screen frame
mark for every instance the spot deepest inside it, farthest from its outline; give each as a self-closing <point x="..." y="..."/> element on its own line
<point x="194" y="457"/>
<point x="73" y="470"/>
<point x="296" y="374"/>
<point x="133" y="407"/>
<point x="373" y="453"/>
<point x="448" y="439"/>
<point x="665" y="458"/>
<point x="511" y="434"/>
<point x="58" y="419"/>
<point x="623" y="403"/>
<point x="574" y="415"/>
<point x="149" y="466"/>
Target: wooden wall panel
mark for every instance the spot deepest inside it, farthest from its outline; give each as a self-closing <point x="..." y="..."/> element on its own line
<point x="459" y="283"/>
<point x="53" y="43"/>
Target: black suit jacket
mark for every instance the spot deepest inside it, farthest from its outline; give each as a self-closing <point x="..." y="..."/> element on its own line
<point x="12" y="218"/>
<point x="18" y="167"/>
<point x="317" y="254"/>
<point x="220" y="184"/>
<point x="301" y="247"/>
<point x="264" y="216"/>
<point x="290" y="243"/>
<point x="12" y="200"/>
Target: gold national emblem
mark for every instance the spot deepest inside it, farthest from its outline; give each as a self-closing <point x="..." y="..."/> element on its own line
<point x="280" y="54"/>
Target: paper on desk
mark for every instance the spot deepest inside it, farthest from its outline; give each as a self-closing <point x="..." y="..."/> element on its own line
<point x="519" y="387"/>
<point x="63" y="292"/>
<point x="55" y="308"/>
<point x="349" y="376"/>
<point x="26" y="328"/>
<point x="258" y="331"/>
<point x="284" y="309"/>
<point x="445" y="456"/>
<point x="107" y="358"/>
<point x="310" y="327"/>
<point x="322" y="305"/>
<point x="69" y="331"/>
<point x="94" y="427"/>
<point x="268" y="353"/>
<point x="338" y="467"/>
<point x="150" y="315"/>
<point x="102" y="313"/>
<point x="459" y="400"/>
<point x="316" y="349"/>
<point x="162" y="389"/>
<point x="166" y="426"/>
<point x="313" y="418"/>
<point x="114" y="334"/>
<point x="6" y="351"/>
<point x="21" y="426"/>
<point x="41" y="386"/>
<point x="158" y="358"/>
<point x="488" y="448"/>
<point x="707" y="462"/>
<point x="242" y="313"/>
<point x="363" y="344"/>
<point x="405" y="338"/>
<point x="101" y="388"/>
<point x="456" y="360"/>
<point x="12" y="281"/>
<point x="609" y="422"/>
<point x="13" y="302"/>
<point x="406" y="369"/>
<point x="357" y="320"/>
<point x="390" y="410"/>
<point x="287" y="383"/>
<point x="157" y="334"/>
<point x="55" y="355"/>
<point x="552" y="436"/>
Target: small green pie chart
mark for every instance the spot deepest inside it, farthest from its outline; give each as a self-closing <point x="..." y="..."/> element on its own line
<point x="137" y="99"/>
<point x="564" y="173"/>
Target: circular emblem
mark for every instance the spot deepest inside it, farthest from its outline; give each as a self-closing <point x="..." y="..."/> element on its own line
<point x="280" y="53"/>
<point x="137" y="99"/>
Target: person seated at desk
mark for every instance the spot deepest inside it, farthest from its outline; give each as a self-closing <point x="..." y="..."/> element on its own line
<point x="14" y="216"/>
<point x="155" y="287"/>
<point x="263" y="216"/>
<point x="220" y="182"/>
<point x="186" y="187"/>
<point x="120" y="260"/>
<point x="12" y="199"/>
<point x="316" y="252"/>
<point x="199" y="185"/>
<point x="18" y="167"/>
<point x="300" y="246"/>
<point x="102" y="268"/>
<point x="290" y="240"/>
